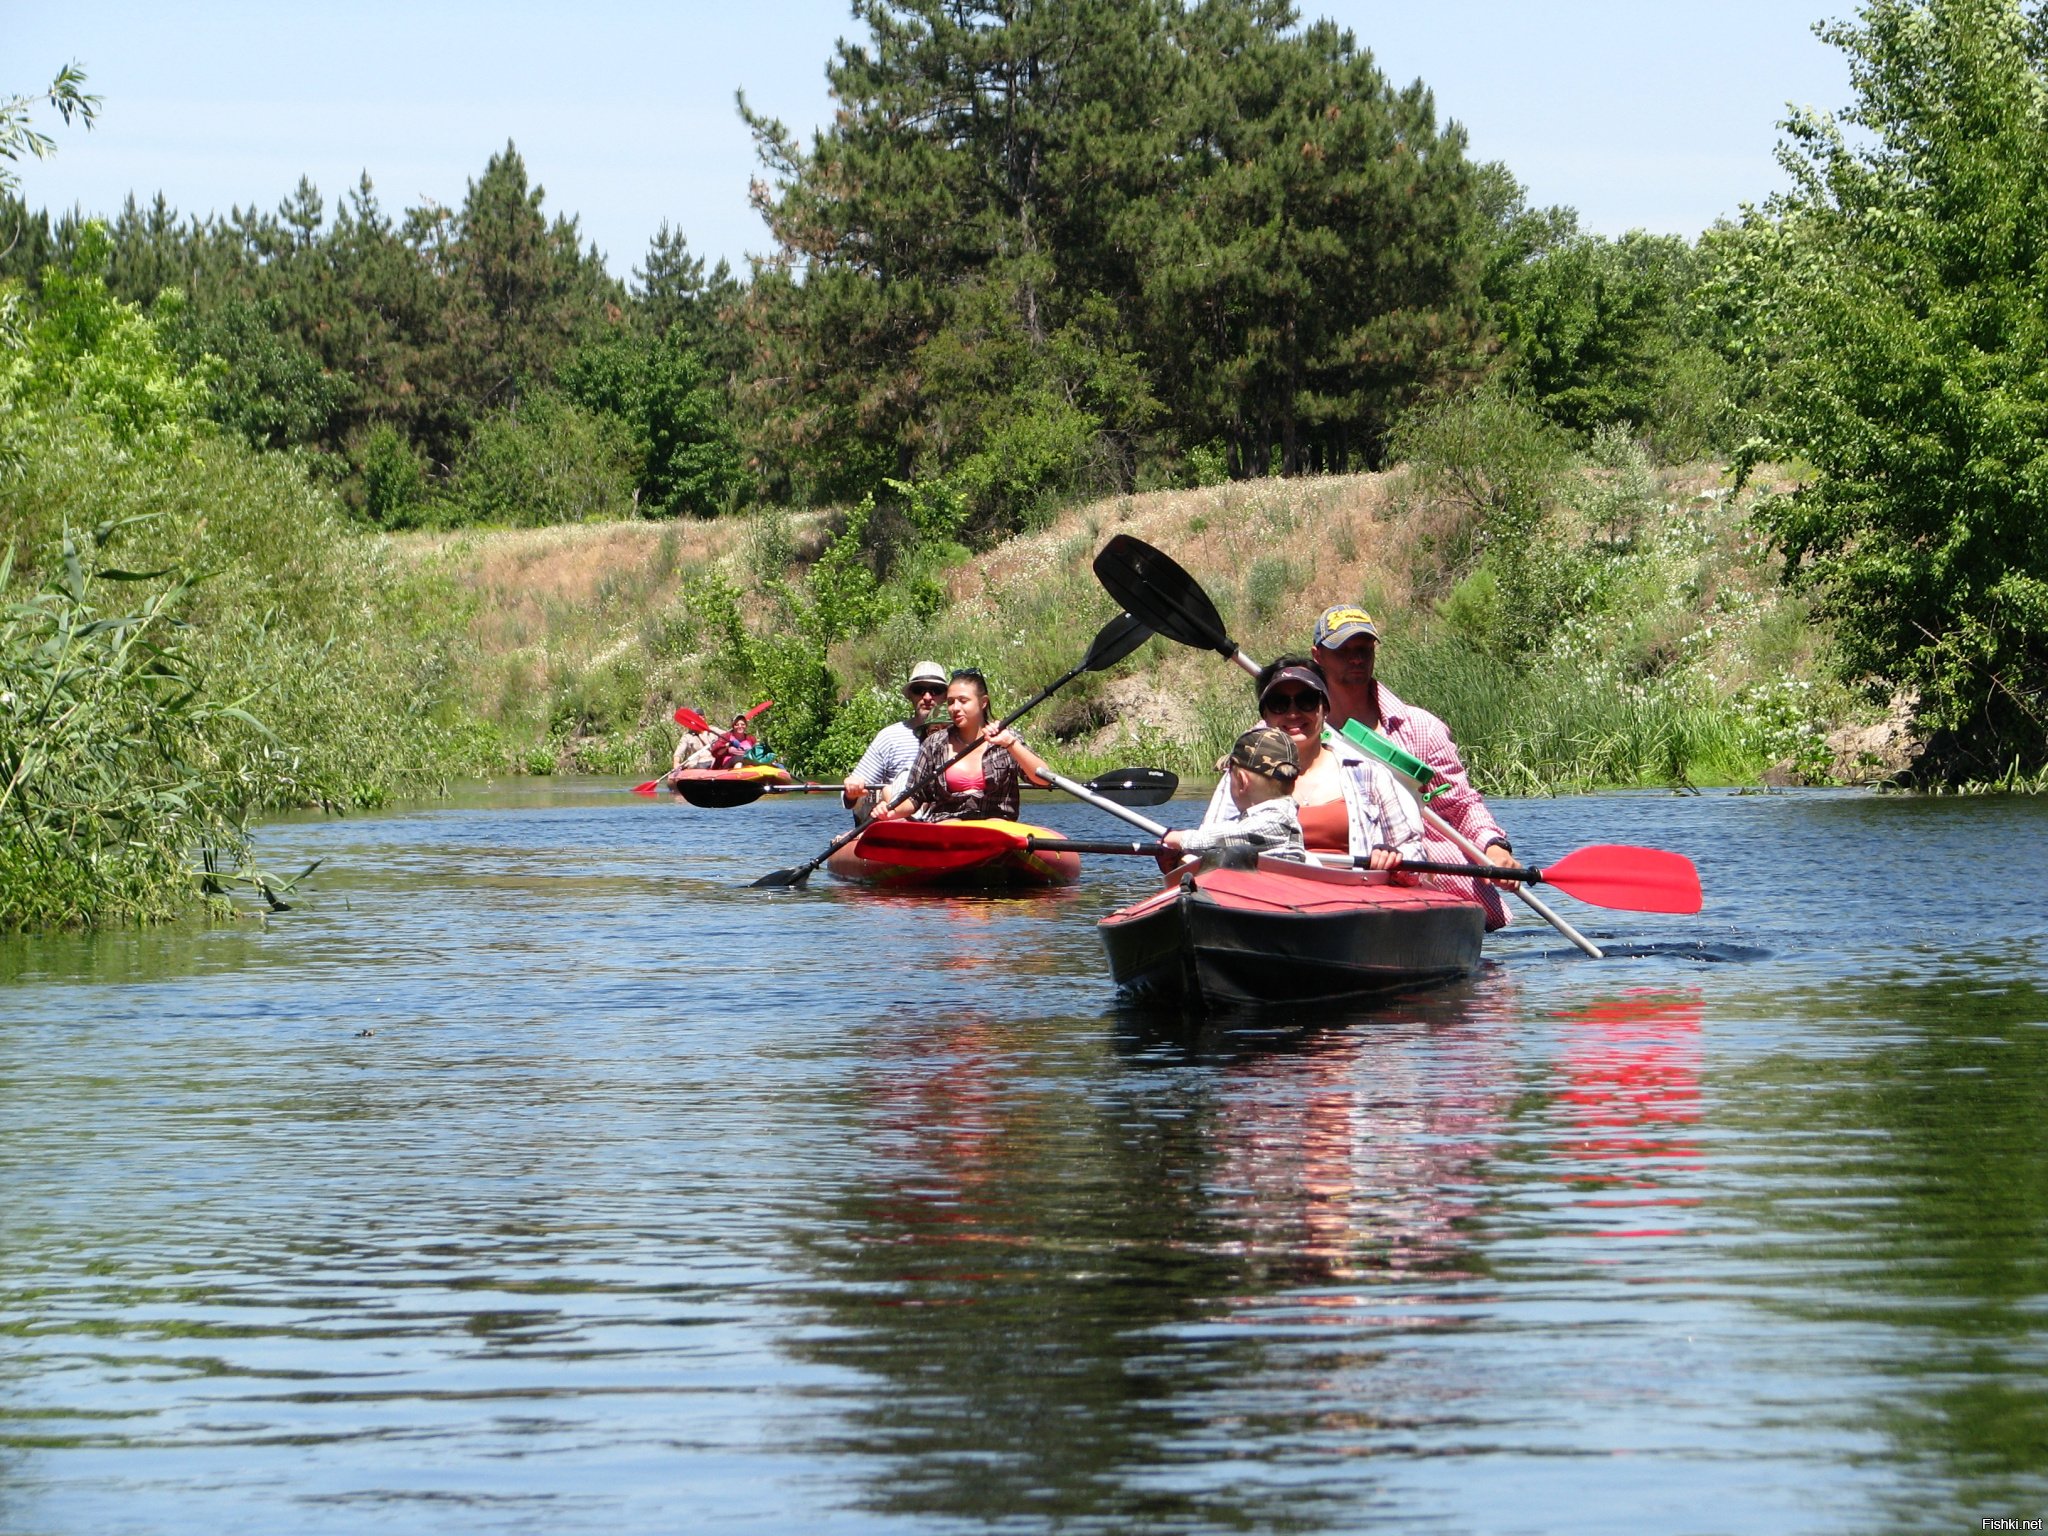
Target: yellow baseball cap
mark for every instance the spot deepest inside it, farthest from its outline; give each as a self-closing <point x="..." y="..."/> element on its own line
<point x="1345" y="623"/>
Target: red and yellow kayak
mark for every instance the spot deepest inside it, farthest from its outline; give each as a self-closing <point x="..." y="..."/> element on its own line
<point x="1008" y="867"/>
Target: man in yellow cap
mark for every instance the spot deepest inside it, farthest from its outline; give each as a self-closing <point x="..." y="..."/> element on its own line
<point x="1347" y="649"/>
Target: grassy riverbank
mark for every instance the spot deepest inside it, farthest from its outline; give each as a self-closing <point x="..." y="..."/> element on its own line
<point x="1667" y="655"/>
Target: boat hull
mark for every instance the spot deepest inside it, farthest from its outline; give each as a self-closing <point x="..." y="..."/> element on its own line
<point x="1288" y="934"/>
<point x="1010" y="869"/>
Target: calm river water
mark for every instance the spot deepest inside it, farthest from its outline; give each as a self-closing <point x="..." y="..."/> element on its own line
<point x="535" y="1175"/>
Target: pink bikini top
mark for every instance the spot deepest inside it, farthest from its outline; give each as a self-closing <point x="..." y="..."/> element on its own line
<point x="963" y="780"/>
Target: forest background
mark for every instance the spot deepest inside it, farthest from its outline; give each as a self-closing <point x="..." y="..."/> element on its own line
<point x="1641" y="509"/>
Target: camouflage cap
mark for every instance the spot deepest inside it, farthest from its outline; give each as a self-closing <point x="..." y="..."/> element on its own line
<point x="1264" y="751"/>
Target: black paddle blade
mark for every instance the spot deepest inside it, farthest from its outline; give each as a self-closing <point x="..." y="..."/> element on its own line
<point x="721" y="794"/>
<point x="1117" y="639"/>
<point x="1148" y="583"/>
<point x="1135" y="786"/>
<point x="781" y="877"/>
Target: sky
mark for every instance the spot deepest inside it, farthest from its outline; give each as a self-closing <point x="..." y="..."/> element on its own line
<point x="1641" y="114"/>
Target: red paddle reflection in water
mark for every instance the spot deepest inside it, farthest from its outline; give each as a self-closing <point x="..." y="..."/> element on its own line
<point x="1631" y="1102"/>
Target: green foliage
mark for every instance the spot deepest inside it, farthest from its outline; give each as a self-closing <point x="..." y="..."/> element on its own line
<point x="1271" y="580"/>
<point x="844" y="596"/>
<point x="1487" y="468"/>
<point x="18" y="134"/>
<point x="394" y="481"/>
<point x="1593" y="325"/>
<point x="679" y="426"/>
<point x="1895" y="301"/>
<point x="1041" y="247"/>
<point x="107" y="739"/>
<point x="853" y="726"/>
<point x="1208" y="464"/>
<point x="326" y="329"/>
<point x="547" y="460"/>
<point x="97" y="359"/>
<point x="262" y="381"/>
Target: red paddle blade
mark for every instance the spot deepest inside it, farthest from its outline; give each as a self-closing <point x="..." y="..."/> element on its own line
<point x="1629" y="879"/>
<point x="933" y="844"/>
<point x="690" y="720"/>
<point x="650" y="787"/>
<point x="764" y="704"/>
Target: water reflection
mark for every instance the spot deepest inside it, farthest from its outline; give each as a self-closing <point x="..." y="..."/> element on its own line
<point x="538" y="1173"/>
<point x="1911" y="1186"/>
<point x="1064" y="1284"/>
<point x="1630" y="1106"/>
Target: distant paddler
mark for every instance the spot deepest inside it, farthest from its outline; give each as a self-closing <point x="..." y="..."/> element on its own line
<point x="883" y="771"/>
<point x="693" y="748"/>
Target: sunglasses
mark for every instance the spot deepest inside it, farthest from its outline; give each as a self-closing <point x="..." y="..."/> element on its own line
<point x="926" y="690"/>
<point x="1306" y="702"/>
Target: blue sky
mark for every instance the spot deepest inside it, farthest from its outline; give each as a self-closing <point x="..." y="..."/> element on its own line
<point x="1652" y="114"/>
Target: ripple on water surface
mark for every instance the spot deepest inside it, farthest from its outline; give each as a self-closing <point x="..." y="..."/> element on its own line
<point x="537" y="1174"/>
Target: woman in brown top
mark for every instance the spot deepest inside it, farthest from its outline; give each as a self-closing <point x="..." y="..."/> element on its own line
<point x="985" y="782"/>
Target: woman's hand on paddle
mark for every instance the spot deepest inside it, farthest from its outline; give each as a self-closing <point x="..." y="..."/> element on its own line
<point x="1382" y="857"/>
<point x="1028" y="762"/>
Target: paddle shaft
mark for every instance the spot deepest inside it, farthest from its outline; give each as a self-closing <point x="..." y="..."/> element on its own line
<point x="1102" y="803"/>
<point x="1359" y="861"/>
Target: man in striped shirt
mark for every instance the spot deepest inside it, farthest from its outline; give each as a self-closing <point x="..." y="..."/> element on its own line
<point x="1346" y="648"/>
<point x="883" y="771"/>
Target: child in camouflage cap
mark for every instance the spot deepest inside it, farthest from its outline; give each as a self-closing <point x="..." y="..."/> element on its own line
<point x="1262" y="768"/>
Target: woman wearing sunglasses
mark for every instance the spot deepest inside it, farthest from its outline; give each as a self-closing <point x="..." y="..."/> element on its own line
<point x="883" y="771"/>
<point x="983" y="783"/>
<point x="1347" y="802"/>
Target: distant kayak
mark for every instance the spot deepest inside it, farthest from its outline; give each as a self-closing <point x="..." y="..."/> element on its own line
<point x="1014" y="866"/>
<point x="751" y="777"/>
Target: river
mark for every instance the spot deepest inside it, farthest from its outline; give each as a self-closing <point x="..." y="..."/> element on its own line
<point x="535" y="1175"/>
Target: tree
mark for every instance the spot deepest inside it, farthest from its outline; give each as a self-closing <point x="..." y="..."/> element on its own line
<point x="1043" y="237"/>
<point x="1592" y="325"/>
<point x="1318" y="259"/>
<point x="1897" y="289"/>
<point x="524" y="292"/>
<point x="18" y="134"/>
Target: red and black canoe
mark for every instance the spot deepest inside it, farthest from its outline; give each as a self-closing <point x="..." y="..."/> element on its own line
<point x="1289" y="933"/>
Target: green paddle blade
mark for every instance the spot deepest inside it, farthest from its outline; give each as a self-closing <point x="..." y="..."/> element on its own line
<point x="1404" y="763"/>
<point x="934" y="845"/>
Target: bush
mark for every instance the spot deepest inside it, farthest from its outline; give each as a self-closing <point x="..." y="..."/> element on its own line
<point x="548" y="460"/>
<point x="107" y="742"/>
<point x="393" y="478"/>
